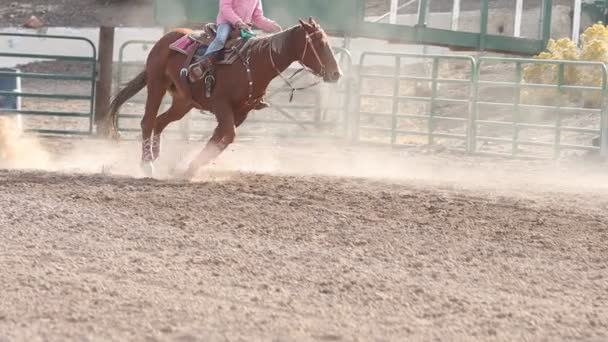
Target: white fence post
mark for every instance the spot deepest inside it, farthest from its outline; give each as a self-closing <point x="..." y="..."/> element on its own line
<point x="394" y="8"/>
<point x="519" y="9"/>
<point x="576" y="20"/>
<point x="455" y="15"/>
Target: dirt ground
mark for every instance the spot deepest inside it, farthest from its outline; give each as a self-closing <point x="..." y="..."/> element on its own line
<point x="300" y="242"/>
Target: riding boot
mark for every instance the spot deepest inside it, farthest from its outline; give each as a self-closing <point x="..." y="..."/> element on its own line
<point x="199" y="69"/>
<point x="209" y="61"/>
<point x="209" y="78"/>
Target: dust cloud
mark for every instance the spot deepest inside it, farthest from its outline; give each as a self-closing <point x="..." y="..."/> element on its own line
<point x="18" y="151"/>
<point x="443" y="169"/>
<point x="313" y="157"/>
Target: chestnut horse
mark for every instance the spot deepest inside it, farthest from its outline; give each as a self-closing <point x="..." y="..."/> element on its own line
<point x="239" y="88"/>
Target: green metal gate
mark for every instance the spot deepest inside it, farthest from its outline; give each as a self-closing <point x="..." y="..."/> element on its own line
<point x="66" y="111"/>
<point x="543" y="117"/>
<point x="401" y="104"/>
<point x="490" y="107"/>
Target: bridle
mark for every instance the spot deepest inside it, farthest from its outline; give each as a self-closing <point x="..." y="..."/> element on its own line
<point x="321" y="74"/>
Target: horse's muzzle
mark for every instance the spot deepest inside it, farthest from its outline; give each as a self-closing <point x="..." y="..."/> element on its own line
<point x="332" y="77"/>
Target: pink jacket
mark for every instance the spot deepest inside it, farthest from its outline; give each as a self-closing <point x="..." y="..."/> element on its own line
<point x="248" y="11"/>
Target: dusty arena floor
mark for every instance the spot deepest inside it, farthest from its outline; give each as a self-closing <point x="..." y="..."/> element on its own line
<point x="275" y="244"/>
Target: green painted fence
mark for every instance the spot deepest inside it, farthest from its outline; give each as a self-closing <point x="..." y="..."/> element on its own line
<point x="544" y="117"/>
<point x="493" y="112"/>
<point x="77" y="109"/>
<point x="455" y="102"/>
<point x="460" y="40"/>
<point x="385" y="117"/>
<point x="347" y="18"/>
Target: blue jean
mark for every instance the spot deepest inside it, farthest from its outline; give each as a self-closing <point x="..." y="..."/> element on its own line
<point x="223" y="32"/>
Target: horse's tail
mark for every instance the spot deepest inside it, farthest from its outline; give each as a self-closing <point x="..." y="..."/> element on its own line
<point x="132" y="88"/>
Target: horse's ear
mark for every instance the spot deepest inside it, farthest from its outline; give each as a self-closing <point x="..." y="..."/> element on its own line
<point x="312" y="22"/>
<point x="302" y="23"/>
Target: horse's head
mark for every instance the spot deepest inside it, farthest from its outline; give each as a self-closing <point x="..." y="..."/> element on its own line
<point x="316" y="53"/>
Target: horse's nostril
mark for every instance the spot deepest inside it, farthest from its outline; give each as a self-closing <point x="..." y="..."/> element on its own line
<point x="336" y="75"/>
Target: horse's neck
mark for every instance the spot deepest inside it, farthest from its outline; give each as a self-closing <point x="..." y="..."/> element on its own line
<point x="281" y="47"/>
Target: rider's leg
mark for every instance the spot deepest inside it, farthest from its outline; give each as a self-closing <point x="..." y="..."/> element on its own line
<point x="223" y="32"/>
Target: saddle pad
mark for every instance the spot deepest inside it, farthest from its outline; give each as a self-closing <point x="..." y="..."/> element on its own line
<point x="184" y="45"/>
<point x="187" y="43"/>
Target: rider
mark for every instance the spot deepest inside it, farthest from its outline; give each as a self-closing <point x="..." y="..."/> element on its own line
<point x="239" y="14"/>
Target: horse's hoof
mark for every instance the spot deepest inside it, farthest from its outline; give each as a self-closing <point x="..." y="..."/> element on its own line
<point x="190" y="173"/>
<point x="148" y="169"/>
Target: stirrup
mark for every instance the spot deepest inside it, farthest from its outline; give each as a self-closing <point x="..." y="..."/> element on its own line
<point x="196" y="72"/>
<point x="183" y="73"/>
<point x="209" y="83"/>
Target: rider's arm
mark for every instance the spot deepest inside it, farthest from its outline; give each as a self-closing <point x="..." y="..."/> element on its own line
<point x="228" y="13"/>
<point x="262" y="22"/>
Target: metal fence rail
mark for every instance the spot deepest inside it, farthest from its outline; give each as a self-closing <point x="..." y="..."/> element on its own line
<point x="429" y="116"/>
<point x="499" y="116"/>
<point x="40" y="111"/>
<point x="457" y="102"/>
<point x="555" y="108"/>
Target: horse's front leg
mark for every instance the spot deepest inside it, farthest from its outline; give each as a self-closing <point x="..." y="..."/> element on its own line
<point x="222" y="137"/>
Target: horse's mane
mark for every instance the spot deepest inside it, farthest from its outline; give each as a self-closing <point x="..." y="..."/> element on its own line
<point x="278" y="40"/>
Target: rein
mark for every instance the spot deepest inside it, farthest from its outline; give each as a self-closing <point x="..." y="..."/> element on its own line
<point x="314" y="50"/>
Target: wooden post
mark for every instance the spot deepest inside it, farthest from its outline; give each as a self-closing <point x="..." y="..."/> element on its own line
<point x="104" y="79"/>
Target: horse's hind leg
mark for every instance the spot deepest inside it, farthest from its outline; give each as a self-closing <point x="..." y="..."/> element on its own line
<point x="176" y="112"/>
<point x="154" y="98"/>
